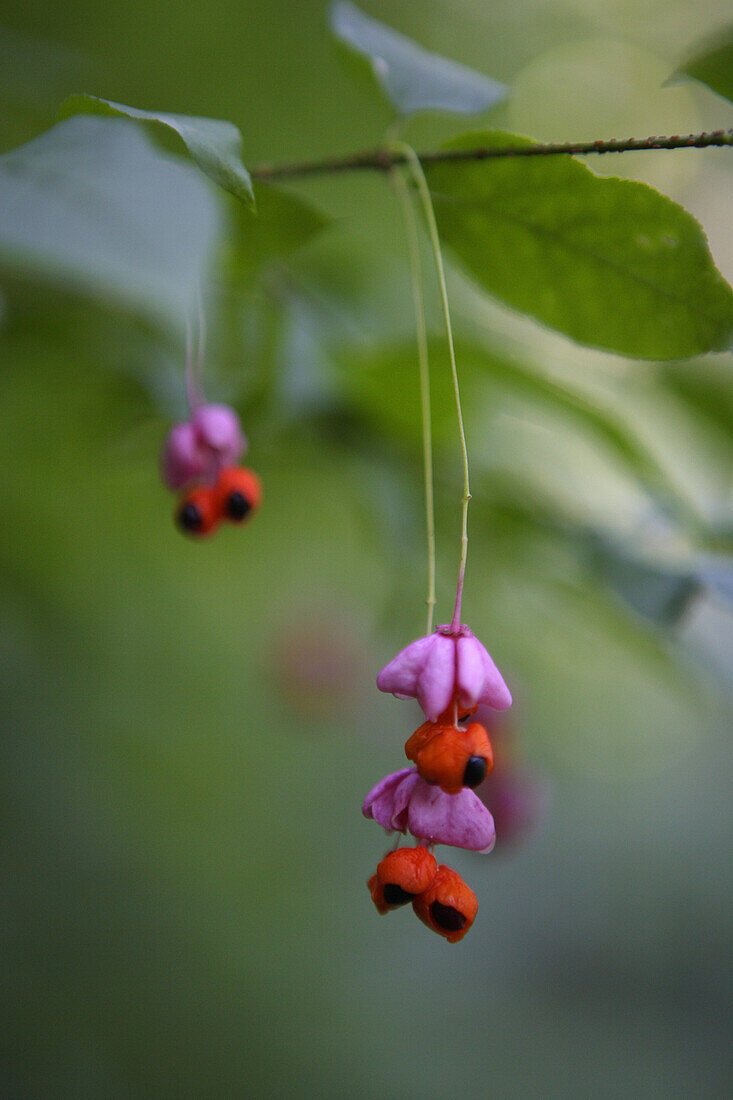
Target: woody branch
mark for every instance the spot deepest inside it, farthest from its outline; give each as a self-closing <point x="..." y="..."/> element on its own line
<point x="382" y="160"/>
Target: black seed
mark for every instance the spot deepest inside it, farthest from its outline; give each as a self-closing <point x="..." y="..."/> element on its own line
<point x="446" y="917"/>
<point x="395" y="895"/>
<point x="475" y="772"/>
<point x="189" y="518"/>
<point x="237" y="506"/>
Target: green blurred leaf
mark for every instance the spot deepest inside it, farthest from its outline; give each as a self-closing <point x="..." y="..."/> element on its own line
<point x="655" y="590"/>
<point x="602" y="421"/>
<point x="91" y="205"/>
<point x="392" y="370"/>
<point x="413" y="78"/>
<point x="214" y="145"/>
<point x="281" y="224"/>
<point x="706" y="386"/>
<point x="488" y="380"/>
<point x="610" y="262"/>
<point x="714" y="64"/>
<point x="35" y="72"/>
<point x="717" y="573"/>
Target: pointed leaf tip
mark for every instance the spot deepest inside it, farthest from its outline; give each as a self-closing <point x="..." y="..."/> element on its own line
<point x="712" y="63"/>
<point x="213" y="144"/>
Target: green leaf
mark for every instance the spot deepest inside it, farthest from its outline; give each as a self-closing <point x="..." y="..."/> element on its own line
<point x="605" y="423"/>
<point x="91" y="205"/>
<point x="392" y="369"/>
<point x="654" y="588"/>
<point x="657" y="591"/>
<point x="413" y="78"/>
<point x="283" y="222"/>
<point x="717" y="573"/>
<point x="610" y="262"/>
<point x="713" y="65"/>
<point x="213" y="144"/>
<point x="705" y="387"/>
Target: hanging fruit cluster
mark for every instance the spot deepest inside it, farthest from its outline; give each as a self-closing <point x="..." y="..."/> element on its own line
<point x="199" y="457"/>
<point x="450" y="674"/>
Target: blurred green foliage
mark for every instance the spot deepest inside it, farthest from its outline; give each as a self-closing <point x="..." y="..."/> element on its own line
<point x="190" y="728"/>
<point x="412" y="78"/>
<point x="94" y="207"/>
<point x="714" y="65"/>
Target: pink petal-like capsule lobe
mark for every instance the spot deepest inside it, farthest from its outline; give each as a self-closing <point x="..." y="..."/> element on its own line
<point x="404" y="802"/>
<point x="180" y="459"/>
<point x="387" y="802"/>
<point x="478" y="680"/>
<point x="436" y="683"/>
<point x="443" y="666"/>
<point x="460" y="820"/>
<point x="217" y="428"/>
<point x="424" y="670"/>
<point x="401" y="674"/>
<point x="401" y="806"/>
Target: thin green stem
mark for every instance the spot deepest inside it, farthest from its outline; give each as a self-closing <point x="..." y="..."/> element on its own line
<point x="413" y="160"/>
<point x="413" y="244"/>
<point x="195" y="363"/>
<point x="201" y="341"/>
<point x="192" y="395"/>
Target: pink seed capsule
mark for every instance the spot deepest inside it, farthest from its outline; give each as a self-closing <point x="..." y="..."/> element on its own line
<point x="217" y="428"/>
<point x="448" y="666"/>
<point x="180" y="459"/>
<point x="198" y="448"/>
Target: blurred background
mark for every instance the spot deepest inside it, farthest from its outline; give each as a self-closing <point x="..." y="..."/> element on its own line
<point x="190" y="728"/>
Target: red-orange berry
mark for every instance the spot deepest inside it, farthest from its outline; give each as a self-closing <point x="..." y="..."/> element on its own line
<point x="401" y="876"/>
<point x="451" y="756"/>
<point x="240" y="492"/>
<point x="448" y="906"/>
<point x="199" y="511"/>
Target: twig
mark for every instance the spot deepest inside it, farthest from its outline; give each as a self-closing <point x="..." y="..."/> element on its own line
<point x="382" y="160"/>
